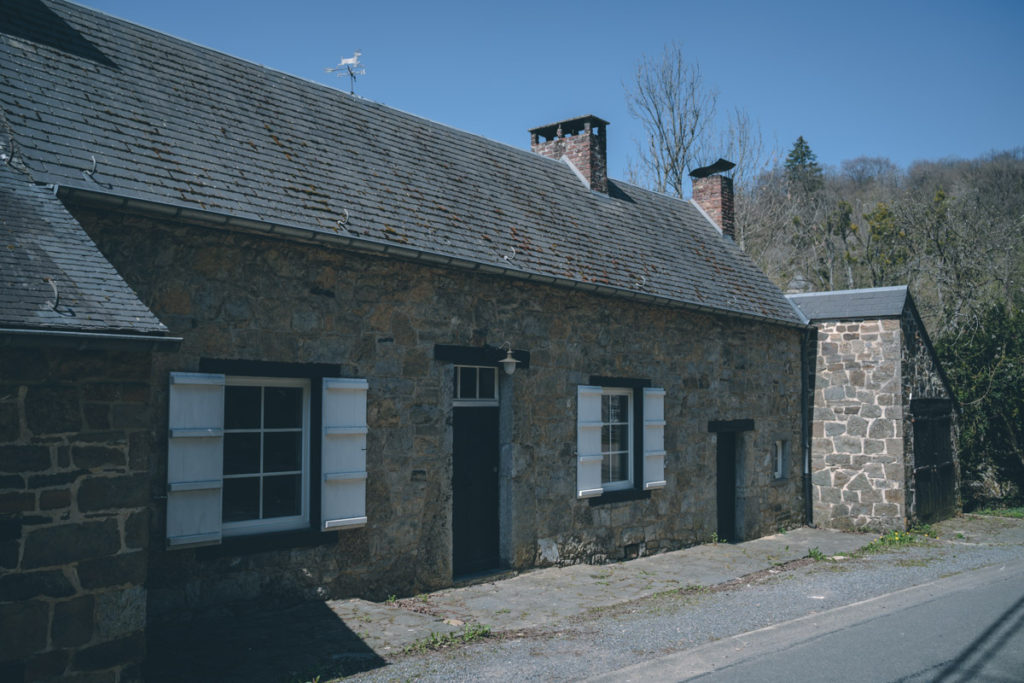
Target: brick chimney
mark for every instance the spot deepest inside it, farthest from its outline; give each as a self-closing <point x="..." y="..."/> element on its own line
<point x="713" y="193"/>
<point x="582" y="142"/>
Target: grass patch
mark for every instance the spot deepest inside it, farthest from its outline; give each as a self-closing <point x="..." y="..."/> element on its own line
<point x="1016" y="513"/>
<point x="439" y="641"/>
<point x="816" y="554"/>
<point x="892" y="540"/>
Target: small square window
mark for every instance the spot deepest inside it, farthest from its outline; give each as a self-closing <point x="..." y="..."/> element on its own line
<point x="476" y="384"/>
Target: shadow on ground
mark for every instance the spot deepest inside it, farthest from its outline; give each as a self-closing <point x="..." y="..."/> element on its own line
<point x="254" y="645"/>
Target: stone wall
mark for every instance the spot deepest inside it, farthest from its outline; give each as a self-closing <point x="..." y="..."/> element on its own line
<point x="235" y="296"/>
<point x="858" y="476"/>
<point x="75" y="446"/>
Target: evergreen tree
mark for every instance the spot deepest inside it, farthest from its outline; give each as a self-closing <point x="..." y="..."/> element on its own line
<point x="802" y="169"/>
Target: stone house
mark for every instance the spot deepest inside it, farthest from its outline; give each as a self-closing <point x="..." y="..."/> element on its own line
<point x="265" y="339"/>
<point x="882" y="447"/>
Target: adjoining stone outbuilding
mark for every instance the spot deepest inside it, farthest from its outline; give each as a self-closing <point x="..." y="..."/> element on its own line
<point x="883" y="452"/>
<point x="271" y="366"/>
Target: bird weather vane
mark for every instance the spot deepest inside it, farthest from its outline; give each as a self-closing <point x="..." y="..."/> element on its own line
<point x="349" y="66"/>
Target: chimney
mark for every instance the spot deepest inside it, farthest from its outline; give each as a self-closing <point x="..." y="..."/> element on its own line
<point x="582" y="143"/>
<point x="713" y="193"/>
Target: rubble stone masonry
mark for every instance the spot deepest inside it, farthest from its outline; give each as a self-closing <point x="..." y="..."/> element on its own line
<point x="236" y="296"/>
<point x="75" y="446"/>
<point x="857" y="454"/>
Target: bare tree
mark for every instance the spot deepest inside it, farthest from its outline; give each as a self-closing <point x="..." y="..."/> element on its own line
<point x="676" y="109"/>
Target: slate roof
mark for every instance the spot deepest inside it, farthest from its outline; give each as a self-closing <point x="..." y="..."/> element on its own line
<point x="177" y="124"/>
<point x="40" y="243"/>
<point x="849" y="304"/>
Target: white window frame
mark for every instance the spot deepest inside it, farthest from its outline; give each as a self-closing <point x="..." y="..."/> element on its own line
<point x="780" y="447"/>
<point x="459" y="401"/>
<point x="619" y="484"/>
<point x="300" y="521"/>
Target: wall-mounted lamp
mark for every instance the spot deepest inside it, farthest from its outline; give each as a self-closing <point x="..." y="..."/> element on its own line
<point x="508" y="362"/>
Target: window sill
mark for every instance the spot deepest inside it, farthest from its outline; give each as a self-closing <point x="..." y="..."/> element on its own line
<point x="620" y="496"/>
<point x="258" y="543"/>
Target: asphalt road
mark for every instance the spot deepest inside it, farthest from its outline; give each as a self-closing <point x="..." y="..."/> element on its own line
<point x="968" y="627"/>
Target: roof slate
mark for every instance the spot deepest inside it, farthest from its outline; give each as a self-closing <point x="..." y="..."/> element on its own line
<point x="849" y="304"/>
<point x="168" y="121"/>
<point x="41" y="242"/>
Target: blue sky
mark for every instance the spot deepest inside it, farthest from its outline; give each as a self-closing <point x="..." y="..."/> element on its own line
<point x="905" y="80"/>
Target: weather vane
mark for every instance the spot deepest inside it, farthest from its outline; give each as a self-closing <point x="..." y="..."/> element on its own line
<point x="351" y="67"/>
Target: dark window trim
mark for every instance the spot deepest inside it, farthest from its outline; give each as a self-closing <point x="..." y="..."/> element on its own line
<point x="620" y="496"/>
<point x="731" y="426"/>
<point x="635" y="492"/>
<point x="479" y="355"/>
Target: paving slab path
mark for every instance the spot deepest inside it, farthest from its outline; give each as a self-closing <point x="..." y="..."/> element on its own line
<point x="358" y="635"/>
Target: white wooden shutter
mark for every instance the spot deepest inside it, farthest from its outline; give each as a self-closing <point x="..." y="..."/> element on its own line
<point x="588" y="442"/>
<point x="343" y="448"/>
<point x="195" y="459"/>
<point x="654" y="439"/>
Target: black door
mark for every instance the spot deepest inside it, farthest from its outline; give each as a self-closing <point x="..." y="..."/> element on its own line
<point x="474" y="490"/>
<point x="934" y="473"/>
<point x="727" y="486"/>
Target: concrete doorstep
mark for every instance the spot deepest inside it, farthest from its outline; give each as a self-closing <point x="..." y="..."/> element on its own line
<point x="549" y="596"/>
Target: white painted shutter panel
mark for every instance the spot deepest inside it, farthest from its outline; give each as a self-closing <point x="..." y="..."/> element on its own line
<point x="654" y="438"/>
<point x="195" y="459"/>
<point x="343" y="448"/>
<point x="588" y="442"/>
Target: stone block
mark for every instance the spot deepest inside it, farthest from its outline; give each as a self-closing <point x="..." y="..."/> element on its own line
<point x="887" y="510"/>
<point x="54" y="499"/>
<point x="10" y="529"/>
<point x="874" y="446"/>
<point x="848" y="444"/>
<point x="110" y="654"/>
<point x="22" y="501"/>
<point x="73" y="621"/>
<point x="97" y="457"/>
<point x="834" y="393"/>
<point x="881" y="429"/>
<point x="841" y="478"/>
<point x="895" y="496"/>
<point x="20" y="459"/>
<point x="52" y="409"/>
<point x="97" y="415"/>
<point x="834" y="428"/>
<point x="831" y="495"/>
<point x="65" y="543"/>
<point x="26" y="585"/>
<point x="840" y="459"/>
<point x="10" y="426"/>
<point x="856" y="426"/>
<point x="851" y="497"/>
<point x="129" y="416"/>
<point x="12" y="481"/>
<point x="120" y="612"/>
<point x="136" y="530"/>
<point x="871" y="496"/>
<point x="24" y="626"/>
<point x="127" y="568"/>
<point x="822" y="478"/>
<point x="106" y="493"/>
<point x="47" y="666"/>
<point x="859" y="483"/>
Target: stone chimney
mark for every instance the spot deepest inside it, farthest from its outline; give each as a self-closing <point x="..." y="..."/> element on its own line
<point x="713" y="193"/>
<point x="582" y="142"/>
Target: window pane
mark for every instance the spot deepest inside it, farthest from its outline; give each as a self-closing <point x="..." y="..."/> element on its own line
<point x="467" y="382"/>
<point x="615" y="408"/>
<point x="282" y="407"/>
<point x="241" y="499"/>
<point x="282" y="451"/>
<point x="486" y="383"/>
<point x="619" y="467"/>
<point x="614" y="438"/>
<point x="241" y="407"/>
<point x="281" y="496"/>
<point x="241" y="453"/>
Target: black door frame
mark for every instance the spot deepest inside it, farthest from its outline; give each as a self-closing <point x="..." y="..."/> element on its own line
<point x="727" y="452"/>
